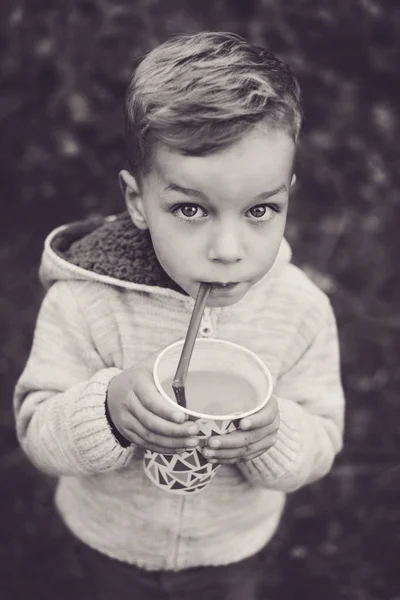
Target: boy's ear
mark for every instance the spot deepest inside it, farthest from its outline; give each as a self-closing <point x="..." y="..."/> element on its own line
<point x="133" y="198"/>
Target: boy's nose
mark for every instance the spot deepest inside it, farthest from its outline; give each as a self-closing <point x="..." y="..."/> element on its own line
<point x="226" y="246"/>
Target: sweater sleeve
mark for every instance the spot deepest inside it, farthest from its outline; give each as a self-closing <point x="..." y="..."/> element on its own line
<point x="311" y="406"/>
<point x="59" y="400"/>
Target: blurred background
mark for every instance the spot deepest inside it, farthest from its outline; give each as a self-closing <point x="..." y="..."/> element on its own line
<point x="64" y="68"/>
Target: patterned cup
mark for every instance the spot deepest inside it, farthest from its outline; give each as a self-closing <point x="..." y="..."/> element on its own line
<point x="215" y="414"/>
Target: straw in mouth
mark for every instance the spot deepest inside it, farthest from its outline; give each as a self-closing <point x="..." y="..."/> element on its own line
<point x="178" y="384"/>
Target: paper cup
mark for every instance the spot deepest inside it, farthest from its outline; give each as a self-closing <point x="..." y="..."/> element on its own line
<point x="247" y="387"/>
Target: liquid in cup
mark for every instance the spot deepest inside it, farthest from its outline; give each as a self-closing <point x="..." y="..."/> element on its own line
<point x="215" y="393"/>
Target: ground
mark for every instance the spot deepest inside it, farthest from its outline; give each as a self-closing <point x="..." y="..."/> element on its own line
<point x="63" y="69"/>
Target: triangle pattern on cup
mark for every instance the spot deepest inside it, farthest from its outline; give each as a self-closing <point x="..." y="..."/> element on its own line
<point x="209" y="427"/>
<point x="183" y="477"/>
<point x="179" y="473"/>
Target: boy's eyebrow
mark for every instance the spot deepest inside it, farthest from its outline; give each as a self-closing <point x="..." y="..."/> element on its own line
<point x="266" y="195"/>
<point x="173" y="187"/>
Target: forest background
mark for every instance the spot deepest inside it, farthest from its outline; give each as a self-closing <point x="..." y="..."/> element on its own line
<point x="64" y="67"/>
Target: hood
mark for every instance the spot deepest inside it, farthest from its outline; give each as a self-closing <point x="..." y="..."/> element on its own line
<point x="112" y="250"/>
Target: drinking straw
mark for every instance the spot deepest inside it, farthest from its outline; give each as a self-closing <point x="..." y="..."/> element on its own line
<point x="178" y="384"/>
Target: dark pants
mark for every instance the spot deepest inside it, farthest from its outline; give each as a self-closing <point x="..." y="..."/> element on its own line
<point x="115" y="580"/>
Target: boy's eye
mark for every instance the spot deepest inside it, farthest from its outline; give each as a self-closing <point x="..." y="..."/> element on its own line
<point x="261" y="212"/>
<point x="189" y="211"/>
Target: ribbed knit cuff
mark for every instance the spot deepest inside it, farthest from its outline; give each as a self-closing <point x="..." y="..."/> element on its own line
<point x="97" y="446"/>
<point x="282" y="459"/>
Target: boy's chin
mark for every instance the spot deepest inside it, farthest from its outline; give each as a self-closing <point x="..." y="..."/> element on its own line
<point x="220" y="299"/>
<point x="221" y="302"/>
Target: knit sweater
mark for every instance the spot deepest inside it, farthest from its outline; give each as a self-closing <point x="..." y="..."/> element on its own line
<point x="108" y="305"/>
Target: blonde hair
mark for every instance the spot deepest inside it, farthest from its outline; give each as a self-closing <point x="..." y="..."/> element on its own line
<point x="200" y="93"/>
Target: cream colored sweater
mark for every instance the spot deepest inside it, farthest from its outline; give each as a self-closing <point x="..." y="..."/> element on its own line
<point x="98" y="319"/>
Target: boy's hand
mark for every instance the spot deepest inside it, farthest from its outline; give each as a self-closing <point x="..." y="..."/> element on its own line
<point x="142" y="416"/>
<point x="256" y="434"/>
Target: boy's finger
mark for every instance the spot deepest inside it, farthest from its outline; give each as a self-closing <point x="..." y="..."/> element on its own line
<point x="225" y="453"/>
<point x="154" y="441"/>
<point x="152" y="400"/>
<point x="142" y="443"/>
<point x="254" y="455"/>
<point x="145" y="388"/>
<point x="264" y="417"/>
<point x="238" y="439"/>
<point x="241" y="453"/>
<point x="158" y="424"/>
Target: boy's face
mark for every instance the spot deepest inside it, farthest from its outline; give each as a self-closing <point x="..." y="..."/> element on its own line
<point x="218" y="218"/>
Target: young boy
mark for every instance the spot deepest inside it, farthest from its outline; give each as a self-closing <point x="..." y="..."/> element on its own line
<point x="212" y="127"/>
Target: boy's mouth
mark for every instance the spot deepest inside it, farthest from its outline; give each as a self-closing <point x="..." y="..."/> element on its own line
<point x="224" y="293"/>
<point x="228" y="285"/>
<point x="223" y="286"/>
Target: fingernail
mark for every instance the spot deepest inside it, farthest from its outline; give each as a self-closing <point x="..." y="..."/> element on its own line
<point x="245" y="424"/>
<point x="179" y="417"/>
<point x="214" y="443"/>
<point x="192" y="429"/>
<point x="192" y="442"/>
<point x="207" y="453"/>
